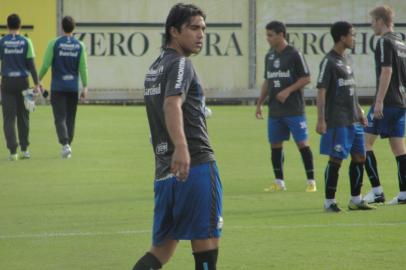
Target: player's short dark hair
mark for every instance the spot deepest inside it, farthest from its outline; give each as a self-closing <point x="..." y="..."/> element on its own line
<point x="68" y="24"/>
<point x="339" y="29"/>
<point x="13" y="22"/>
<point x="385" y="13"/>
<point x="178" y="15"/>
<point x="277" y="26"/>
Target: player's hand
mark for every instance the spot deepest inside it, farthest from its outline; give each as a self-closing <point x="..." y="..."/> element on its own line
<point x="180" y="162"/>
<point x="321" y="127"/>
<point x="378" y="110"/>
<point x="83" y="94"/>
<point x="282" y="96"/>
<point x="258" y="113"/>
<point x="37" y="89"/>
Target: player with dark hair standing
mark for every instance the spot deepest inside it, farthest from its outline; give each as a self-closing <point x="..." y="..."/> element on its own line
<point x="17" y="63"/>
<point x="67" y="55"/>
<point x="339" y="119"/>
<point x="187" y="187"/>
<point x="387" y="115"/>
<point x="286" y="74"/>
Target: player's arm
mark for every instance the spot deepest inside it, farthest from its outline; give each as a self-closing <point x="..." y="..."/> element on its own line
<point x="384" y="55"/>
<point x="301" y="71"/>
<point x="361" y="116"/>
<point x="83" y="70"/>
<point x="174" y="124"/>
<point x="384" y="81"/>
<point x="48" y="57"/>
<point x="298" y="85"/>
<point x="31" y="64"/>
<point x="262" y="97"/>
<point x="321" y="126"/>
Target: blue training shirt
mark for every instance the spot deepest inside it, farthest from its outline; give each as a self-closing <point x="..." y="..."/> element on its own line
<point x="14" y="52"/>
<point x="68" y="58"/>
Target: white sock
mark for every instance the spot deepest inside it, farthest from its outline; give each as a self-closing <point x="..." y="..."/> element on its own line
<point x="402" y="195"/>
<point x="356" y="199"/>
<point x="311" y="181"/>
<point x="329" y="202"/>
<point x="377" y="190"/>
<point x="280" y="182"/>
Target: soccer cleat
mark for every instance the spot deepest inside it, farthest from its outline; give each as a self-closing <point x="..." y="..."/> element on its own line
<point x="13" y="157"/>
<point x="396" y="201"/>
<point x="66" y="151"/>
<point x="371" y="197"/>
<point x="25" y="155"/>
<point x="275" y="187"/>
<point x="363" y="205"/>
<point x="311" y="187"/>
<point x="332" y="208"/>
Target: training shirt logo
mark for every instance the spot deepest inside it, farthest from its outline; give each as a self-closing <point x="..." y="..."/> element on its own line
<point x="181" y="72"/>
<point x="276" y="63"/>
<point x="161" y="148"/>
<point x="338" y="148"/>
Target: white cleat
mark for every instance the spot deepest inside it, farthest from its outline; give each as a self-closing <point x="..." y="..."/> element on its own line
<point x="66" y="151"/>
<point x="396" y="201"/>
<point x="25" y="155"/>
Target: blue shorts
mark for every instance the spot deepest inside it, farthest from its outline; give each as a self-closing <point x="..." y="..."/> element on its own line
<point x="279" y="128"/>
<point x="340" y="142"/>
<point x="188" y="210"/>
<point x="391" y="125"/>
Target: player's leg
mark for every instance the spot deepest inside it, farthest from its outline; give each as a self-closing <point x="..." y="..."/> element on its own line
<point x="23" y="118"/>
<point x="198" y="213"/>
<point x="205" y="253"/>
<point x="371" y="167"/>
<point x="163" y="244"/>
<point x="59" y="104"/>
<point x="277" y="133"/>
<point x="157" y="256"/>
<point x="72" y="103"/>
<point x="9" y="109"/>
<point x="398" y="149"/>
<point x="356" y="169"/>
<point x="333" y="143"/>
<point x="298" y="127"/>
<point x="331" y="180"/>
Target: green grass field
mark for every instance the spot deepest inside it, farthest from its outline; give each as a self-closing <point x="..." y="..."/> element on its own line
<point x="94" y="211"/>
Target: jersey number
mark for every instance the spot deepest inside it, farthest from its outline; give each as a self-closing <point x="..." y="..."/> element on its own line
<point x="276" y="83"/>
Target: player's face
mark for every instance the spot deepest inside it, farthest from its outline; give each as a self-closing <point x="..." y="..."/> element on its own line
<point x="273" y="38"/>
<point x="190" y="39"/>
<point x="376" y="25"/>
<point x="349" y="39"/>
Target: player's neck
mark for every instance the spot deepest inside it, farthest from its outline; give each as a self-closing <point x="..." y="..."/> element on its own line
<point x="68" y="34"/>
<point x="386" y="29"/>
<point x="14" y="32"/>
<point x="175" y="46"/>
<point x="339" y="48"/>
<point x="280" y="47"/>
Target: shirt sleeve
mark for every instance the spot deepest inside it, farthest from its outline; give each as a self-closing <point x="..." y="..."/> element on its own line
<point x="30" y="50"/>
<point x="49" y="55"/>
<point x="179" y="77"/>
<point x="266" y="66"/>
<point x="83" y="70"/>
<point x="384" y="52"/>
<point x="325" y="74"/>
<point x="301" y="68"/>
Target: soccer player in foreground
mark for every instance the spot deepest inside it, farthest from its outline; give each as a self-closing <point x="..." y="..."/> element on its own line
<point x="339" y="118"/>
<point x="187" y="187"/>
<point x="67" y="55"/>
<point x="286" y="74"/>
<point x="17" y="63"/>
<point x="387" y="115"/>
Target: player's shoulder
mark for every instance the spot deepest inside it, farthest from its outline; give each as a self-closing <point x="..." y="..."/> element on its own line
<point x="172" y="58"/>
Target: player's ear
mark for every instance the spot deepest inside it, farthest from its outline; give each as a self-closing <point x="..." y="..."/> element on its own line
<point x="174" y="32"/>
